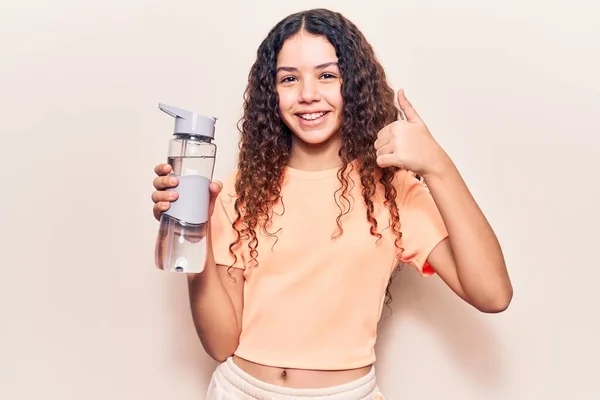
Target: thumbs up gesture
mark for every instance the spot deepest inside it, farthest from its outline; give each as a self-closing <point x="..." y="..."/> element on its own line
<point x="409" y="145"/>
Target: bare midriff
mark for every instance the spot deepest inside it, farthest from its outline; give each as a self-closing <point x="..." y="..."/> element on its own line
<point x="300" y="378"/>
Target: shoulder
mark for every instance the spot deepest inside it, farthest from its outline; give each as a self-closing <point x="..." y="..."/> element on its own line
<point x="409" y="187"/>
<point x="407" y="184"/>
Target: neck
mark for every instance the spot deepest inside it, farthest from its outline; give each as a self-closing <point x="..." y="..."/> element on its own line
<point x="315" y="157"/>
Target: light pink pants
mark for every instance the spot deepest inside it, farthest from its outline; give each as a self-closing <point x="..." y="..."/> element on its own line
<point x="230" y="382"/>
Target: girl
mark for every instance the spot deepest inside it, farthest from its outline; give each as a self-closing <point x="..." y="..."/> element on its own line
<point x="334" y="189"/>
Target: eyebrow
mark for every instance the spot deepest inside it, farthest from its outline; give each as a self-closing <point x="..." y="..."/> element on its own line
<point x="320" y="66"/>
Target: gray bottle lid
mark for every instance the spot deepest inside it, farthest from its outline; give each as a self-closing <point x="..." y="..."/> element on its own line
<point x="188" y="122"/>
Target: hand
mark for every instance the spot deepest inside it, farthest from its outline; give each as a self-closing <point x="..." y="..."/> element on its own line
<point x="408" y="144"/>
<point x="162" y="198"/>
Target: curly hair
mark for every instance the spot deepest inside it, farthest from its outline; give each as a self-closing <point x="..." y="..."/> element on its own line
<point x="265" y="143"/>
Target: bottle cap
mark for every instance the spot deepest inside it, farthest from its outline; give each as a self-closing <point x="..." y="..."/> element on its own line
<point x="190" y="123"/>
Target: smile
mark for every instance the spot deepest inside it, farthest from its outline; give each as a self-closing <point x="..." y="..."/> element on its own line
<point x="312" y="116"/>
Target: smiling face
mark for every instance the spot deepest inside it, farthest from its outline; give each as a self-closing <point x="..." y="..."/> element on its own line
<point x="309" y="88"/>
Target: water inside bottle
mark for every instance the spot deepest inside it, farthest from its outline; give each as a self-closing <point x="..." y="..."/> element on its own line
<point x="181" y="247"/>
<point x="192" y="165"/>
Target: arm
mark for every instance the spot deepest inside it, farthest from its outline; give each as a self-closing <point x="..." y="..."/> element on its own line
<point x="216" y="294"/>
<point x="216" y="301"/>
<point x="470" y="260"/>
<point x="216" y="297"/>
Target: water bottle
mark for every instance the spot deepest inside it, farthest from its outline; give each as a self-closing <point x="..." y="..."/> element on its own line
<point x="181" y="243"/>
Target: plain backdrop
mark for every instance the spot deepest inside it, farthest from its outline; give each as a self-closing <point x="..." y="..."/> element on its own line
<point x="510" y="89"/>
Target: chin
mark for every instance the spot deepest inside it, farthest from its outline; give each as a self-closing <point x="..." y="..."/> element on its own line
<point x="315" y="138"/>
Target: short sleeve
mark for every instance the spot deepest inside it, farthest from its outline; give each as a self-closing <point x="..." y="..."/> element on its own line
<point x="421" y="224"/>
<point x="222" y="232"/>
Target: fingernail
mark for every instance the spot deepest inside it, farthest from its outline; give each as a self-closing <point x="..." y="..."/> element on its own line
<point x="172" y="181"/>
<point x="172" y="195"/>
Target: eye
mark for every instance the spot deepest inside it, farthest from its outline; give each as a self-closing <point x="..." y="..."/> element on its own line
<point x="328" y="75"/>
<point x="288" y="79"/>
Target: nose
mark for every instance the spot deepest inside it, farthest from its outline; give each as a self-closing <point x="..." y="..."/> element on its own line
<point x="309" y="92"/>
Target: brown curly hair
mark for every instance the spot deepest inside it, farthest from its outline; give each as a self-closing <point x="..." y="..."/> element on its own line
<point x="265" y="144"/>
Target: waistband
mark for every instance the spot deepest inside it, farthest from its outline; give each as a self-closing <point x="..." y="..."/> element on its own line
<point x="229" y="373"/>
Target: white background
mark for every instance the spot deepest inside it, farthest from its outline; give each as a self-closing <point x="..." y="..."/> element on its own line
<point x="510" y="89"/>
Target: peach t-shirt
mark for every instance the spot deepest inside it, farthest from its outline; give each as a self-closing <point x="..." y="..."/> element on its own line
<point x="314" y="302"/>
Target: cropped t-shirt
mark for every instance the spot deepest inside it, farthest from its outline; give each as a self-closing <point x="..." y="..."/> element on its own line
<point x="313" y="300"/>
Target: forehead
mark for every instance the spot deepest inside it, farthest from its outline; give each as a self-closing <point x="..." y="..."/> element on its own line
<point x="305" y="50"/>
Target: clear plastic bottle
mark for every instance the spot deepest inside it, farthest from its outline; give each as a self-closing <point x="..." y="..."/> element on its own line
<point x="181" y="243"/>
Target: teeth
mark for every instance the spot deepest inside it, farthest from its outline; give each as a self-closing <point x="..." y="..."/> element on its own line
<point x="310" y="117"/>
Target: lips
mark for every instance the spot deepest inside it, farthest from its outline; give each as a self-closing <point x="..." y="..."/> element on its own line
<point x="312" y="116"/>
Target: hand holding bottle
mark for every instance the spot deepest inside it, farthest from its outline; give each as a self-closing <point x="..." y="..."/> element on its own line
<point x="162" y="198"/>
